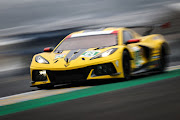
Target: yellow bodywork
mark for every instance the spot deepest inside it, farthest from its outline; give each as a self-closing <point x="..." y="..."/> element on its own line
<point x="152" y="41"/>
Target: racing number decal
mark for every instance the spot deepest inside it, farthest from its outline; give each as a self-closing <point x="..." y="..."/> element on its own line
<point x="90" y="53"/>
<point x="59" y="56"/>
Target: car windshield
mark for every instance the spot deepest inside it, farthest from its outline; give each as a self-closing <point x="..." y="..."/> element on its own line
<point x="93" y="41"/>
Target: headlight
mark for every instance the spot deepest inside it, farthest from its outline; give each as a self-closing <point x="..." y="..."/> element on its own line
<point x="105" y="54"/>
<point x="40" y="59"/>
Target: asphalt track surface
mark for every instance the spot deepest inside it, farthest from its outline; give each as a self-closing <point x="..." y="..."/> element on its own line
<point x="157" y="100"/>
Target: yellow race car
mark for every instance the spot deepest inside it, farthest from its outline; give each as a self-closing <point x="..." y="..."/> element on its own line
<point x="99" y="54"/>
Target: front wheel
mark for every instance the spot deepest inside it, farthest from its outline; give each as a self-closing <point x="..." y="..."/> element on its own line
<point x="126" y="65"/>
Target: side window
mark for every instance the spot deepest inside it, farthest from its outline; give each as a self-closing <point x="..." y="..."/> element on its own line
<point x="127" y="36"/>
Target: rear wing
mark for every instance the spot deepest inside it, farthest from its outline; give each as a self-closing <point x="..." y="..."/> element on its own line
<point x="152" y="27"/>
<point x="148" y="32"/>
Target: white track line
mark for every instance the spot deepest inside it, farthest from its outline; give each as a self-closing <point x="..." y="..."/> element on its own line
<point x="35" y="95"/>
<point x="171" y="68"/>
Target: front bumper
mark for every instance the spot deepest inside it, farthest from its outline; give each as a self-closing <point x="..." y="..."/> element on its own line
<point x="100" y="71"/>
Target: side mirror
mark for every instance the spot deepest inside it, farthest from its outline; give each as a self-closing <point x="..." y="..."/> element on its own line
<point x="132" y="41"/>
<point x="48" y="49"/>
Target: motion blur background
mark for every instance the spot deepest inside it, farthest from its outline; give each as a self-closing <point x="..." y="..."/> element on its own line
<point x="27" y="26"/>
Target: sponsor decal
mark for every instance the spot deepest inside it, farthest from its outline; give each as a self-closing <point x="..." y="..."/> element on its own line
<point x="135" y="48"/>
<point x="155" y="57"/>
<point x="156" y="37"/>
<point x="117" y="63"/>
<point x="90" y="53"/>
<point x="59" y="56"/>
<point x="138" y="56"/>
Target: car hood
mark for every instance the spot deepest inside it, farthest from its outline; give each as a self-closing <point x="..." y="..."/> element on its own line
<point x="73" y="58"/>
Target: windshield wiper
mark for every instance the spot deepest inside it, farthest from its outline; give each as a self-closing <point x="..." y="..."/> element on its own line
<point x="104" y="47"/>
<point x="60" y="51"/>
<point x="101" y="47"/>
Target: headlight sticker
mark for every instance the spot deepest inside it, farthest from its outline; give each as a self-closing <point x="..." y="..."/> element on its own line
<point x="90" y="53"/>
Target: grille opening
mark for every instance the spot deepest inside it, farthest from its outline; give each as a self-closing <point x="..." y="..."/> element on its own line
<point x="68" y="76"/>
<point x="104" y="69"/>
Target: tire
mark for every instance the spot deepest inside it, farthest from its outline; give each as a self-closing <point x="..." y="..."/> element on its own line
<point x="47" y="86"/>
<point x="163" y="62"/>
<point x="126" y="65"/>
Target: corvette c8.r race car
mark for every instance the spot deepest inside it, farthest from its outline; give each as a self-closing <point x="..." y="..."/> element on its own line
<point x="99" y="54"/>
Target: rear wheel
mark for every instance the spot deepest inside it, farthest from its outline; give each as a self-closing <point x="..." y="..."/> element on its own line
<point x="126" y="65"/>
<point x="163" y="62"/>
